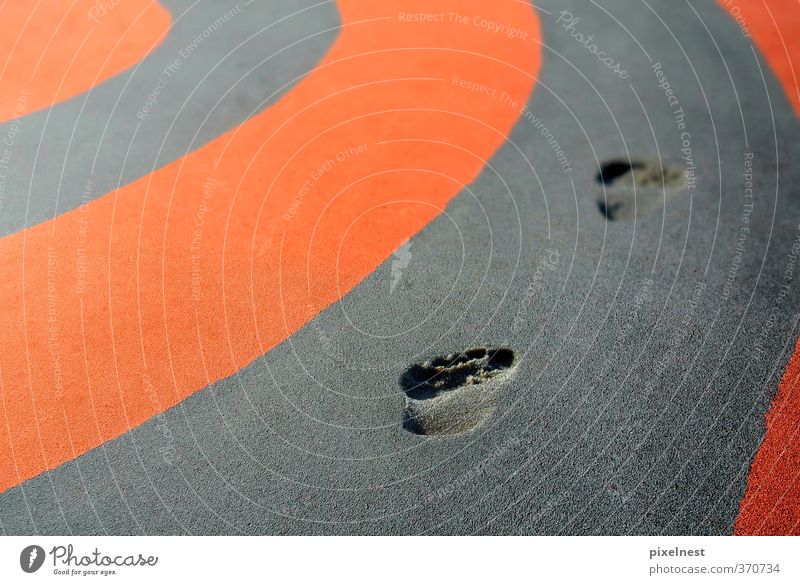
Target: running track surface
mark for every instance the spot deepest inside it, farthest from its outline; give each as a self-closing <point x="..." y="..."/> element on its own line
<point x="272" y="255"/>
<point x="271" y="262"/>
<point x="772" y="502"/>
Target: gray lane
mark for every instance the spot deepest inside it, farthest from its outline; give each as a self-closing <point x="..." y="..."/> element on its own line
<point x="644" y="371"/>
<point x="221" y="62"/>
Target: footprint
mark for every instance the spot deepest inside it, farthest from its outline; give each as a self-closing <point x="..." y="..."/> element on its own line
<point x="655" y="183"/>
<point x="454" y="393"/>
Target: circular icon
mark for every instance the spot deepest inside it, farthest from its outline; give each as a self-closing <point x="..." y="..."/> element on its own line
<point x="31" y="558"/>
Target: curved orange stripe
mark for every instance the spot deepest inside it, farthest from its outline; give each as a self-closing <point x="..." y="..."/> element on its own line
<point x="771" y="504"/>
<point x="55" y="49"/>
<point x="118" y="310"/>
<point x="774" y="25"/>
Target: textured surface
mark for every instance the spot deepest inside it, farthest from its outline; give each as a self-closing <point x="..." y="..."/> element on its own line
<point x="142" y="297"/>
<point x="647" y="351"/>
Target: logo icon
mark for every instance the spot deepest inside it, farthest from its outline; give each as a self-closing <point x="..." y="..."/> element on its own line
<point x="31" y="558"/>
<point x="402" y="258"/>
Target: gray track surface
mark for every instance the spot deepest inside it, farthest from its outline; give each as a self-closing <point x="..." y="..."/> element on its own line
<point x="622" y="416"/>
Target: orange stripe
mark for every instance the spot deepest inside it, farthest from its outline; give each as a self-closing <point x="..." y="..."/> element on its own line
<point x="771" y="504"/>
<point x="118" y="310"/>
<point x="55" y="49"/>
<point x="774" y="26"/>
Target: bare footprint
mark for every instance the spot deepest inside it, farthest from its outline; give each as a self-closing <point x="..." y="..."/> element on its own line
<point x="634" y="189"/>
<point x="454" y="393"/>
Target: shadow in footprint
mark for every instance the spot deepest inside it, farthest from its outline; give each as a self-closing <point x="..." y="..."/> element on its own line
<point x="454" y="393"/>
<point x="634" y="189"/>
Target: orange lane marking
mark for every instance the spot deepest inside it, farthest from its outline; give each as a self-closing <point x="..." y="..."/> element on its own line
<point x="771" y="504"/>
<point x="206" y="264"/>
<point x="774" y="26"/>
<point x="55" y="49"/>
